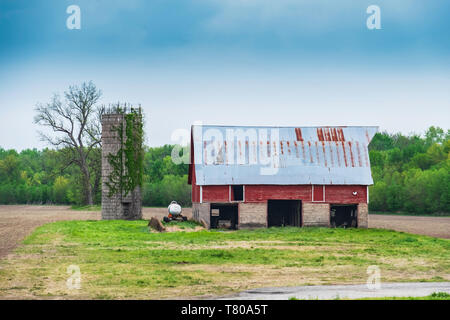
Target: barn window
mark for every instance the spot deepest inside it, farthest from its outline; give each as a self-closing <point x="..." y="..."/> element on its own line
<point x="237" y="193"/>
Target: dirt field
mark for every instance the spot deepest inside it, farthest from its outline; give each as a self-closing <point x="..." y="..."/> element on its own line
<point x="429" y="226"/>
<point x="16" y="222"/>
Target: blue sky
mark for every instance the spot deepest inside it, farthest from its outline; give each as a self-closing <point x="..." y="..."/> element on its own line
<point x="285" y="62"/>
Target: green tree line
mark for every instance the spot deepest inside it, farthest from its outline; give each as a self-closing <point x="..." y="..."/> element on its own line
<point x="411" y="174"/>
<point x="42" y="177"/>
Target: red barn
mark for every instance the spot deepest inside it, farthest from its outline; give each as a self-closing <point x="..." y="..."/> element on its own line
<point x="245" y="177"/>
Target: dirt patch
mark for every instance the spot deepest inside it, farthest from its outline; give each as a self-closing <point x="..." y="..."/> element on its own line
<point x="16" y="222"/>
<point x="177" y="228"/>
<point x="429" y="226"/>
<point x="226" y="245"/>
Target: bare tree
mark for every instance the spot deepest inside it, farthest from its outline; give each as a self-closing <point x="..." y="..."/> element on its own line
<point x="76" y="124"/>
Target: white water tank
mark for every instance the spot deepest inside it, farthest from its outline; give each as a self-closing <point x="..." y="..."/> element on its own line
<point x="174" y="208"/>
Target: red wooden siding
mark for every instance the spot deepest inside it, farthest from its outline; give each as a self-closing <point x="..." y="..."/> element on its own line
<point x="192" y="178"/>
<point x="336" y="194"/>
<point x="261" y="193"/>
<point x="344" y="194"/>
<point x="195" y="189"/>
<point x="216" y="193"/>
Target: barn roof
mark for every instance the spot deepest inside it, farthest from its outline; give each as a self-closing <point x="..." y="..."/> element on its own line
<point x="227" y="155"/>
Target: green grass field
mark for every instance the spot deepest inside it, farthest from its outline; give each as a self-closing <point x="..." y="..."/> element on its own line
<point x="95" y="207"/>
<point x="122" y="259"/>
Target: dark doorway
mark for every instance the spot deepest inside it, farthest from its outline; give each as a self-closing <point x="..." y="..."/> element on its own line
<point x="126" y="208"/>
<point x="224" y="216"/>
<point x="344" y="216"/>
<point x="237" y="193"/>
<point x="284" y="213"/>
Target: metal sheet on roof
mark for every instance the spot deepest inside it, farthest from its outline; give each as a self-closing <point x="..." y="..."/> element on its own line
<point x="282" y="155"/>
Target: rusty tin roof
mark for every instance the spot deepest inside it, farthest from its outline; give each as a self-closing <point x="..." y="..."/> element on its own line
<point x="249" y="155"/>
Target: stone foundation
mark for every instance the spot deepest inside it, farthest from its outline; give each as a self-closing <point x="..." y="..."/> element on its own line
<point x="315" y="214"/>
<point x="363" y="215"/>
<point x="202" y="211"/>
<point x="252" y="215"/>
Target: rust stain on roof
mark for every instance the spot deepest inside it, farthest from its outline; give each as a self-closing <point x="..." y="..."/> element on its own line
<point x="359" y="154"/>
<point x="324" y="154"/>
<point x="365" y="155"/>
<point x="317" y="153"/>
<point x="345" y="153"/>
<point x="310" y="153"/>
<point x="338" y="154"/>
<point x="331" y="155"/>
<point x="298" y="133"/>
<point x="351" y="153"/>
<point x="341" y="135"/>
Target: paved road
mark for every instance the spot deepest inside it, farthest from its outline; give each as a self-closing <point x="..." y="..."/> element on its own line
<point x="409" y="289"/>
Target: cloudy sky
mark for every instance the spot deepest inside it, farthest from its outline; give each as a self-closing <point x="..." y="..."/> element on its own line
<point x="243" y="62"/>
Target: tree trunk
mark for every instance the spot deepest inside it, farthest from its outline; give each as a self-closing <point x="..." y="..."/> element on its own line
<point x="96" y="170"/>
<point x="86" y="182"/>
<point x="97" y="182"/>
<point x="87" y="189"/>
